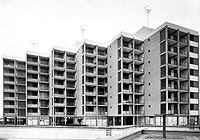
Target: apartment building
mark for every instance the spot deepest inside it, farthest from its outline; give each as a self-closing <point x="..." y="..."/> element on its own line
<point x="131" y="81"/>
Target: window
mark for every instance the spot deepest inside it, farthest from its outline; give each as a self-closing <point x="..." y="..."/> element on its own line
<point x="119" y="98"/>
<point x="163" y="96"/>
<point x="149" y="94"/>
<point x="119" y="65"/>
<point x="119" y="53"/>
<point x="163" y="59"/>
<point x="194" y="49"/>
<point x="119" y="42"/>
<point x="194" y="61"/>
<point x="163" y="83"/>
<point x="149" y="106"/>
<point x="149" y="61"/>
<point x="162" y="47"/>
<point x="149" y="84"/>
<point x="149" y="39"/>
<point x="194" y="84"/>
<point x="148" y="50"/>
<point x="194" y="72"/>
<point x="194" y="107"/>
<point x="194" y="95"/>
<point x="149" y="72"/>
<point x="119" y="87"/>
<point x="162" y="35"/>
<point x="119" y="109"/>
<point x="194" y="38"/>
<point x="119" y="76"/>
<point x="163" y="71"/>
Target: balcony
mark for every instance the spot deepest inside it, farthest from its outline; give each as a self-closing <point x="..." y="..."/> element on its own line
<point x="71" y="104"/>
<point x="90" y="113"/>
<point x="127" y="69"/>
<point x="184" y="76"/>
<point x="128" y="91"/>
<point x="90" y="103"/>
<point x="173" y="62"/>
<point x="183" y="100"/>
<point x="59" y="86"/>
<point x="127" y="112"/>
<point x="59" y="95"/>
<point x="32" y="97"/>
<point x="71" y="95"/>
<point x="70" y="113"/>
<point x="90" y="93"/>
<point x="183" y="64"/>
<point x="44" y="105"/>
<point x="8" y="74"/>
<point x="103" y="113"/>
<point x="127" y="80"/>
<point x="102" y="103"/>
<point x="184" y="87"/>
<point x="184" y="111"/>
<point x="59" y="113"/>
<point x="32" y="105"/>
<point x="9" y="106"/>
<point x="127" y="101"/>
<point x="8" y="90"/>
<point x="139" y="70"/>
<point x="9" y="114"/>
<point x="173" y="87"/>
<point x="9" y="82"/>
<point x="139" y="81"/>
<point x="59" y="104"/>
<point x="9" y="98"/>
<point x="33" y="88"/>
<point x="46" y="97"/>
<point x="32" y="114"/>
<point x="172" y="111"/>
<point x="139" y="101"/>
<point x="140" y="112"/>
<point x="175" y="99"/>
<point x="139" y="91"/>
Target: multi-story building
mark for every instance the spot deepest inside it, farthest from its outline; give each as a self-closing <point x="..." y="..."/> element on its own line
<point x="132" y="81"/>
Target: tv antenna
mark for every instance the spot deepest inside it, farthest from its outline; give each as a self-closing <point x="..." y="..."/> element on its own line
<point x="83" y="31"/>
<point x="33" y="43"/>
<point x="148" y="11"/>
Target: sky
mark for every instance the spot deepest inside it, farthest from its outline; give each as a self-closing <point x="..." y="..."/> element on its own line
<point x="58" y="22"/>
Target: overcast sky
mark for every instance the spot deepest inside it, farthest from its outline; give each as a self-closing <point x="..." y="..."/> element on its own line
<point x="58" y="22"/>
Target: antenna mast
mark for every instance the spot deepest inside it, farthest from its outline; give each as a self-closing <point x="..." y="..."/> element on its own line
<point x="83" y="31"/>
<point x="33" y="44"/>
<point x="148" y="11"/>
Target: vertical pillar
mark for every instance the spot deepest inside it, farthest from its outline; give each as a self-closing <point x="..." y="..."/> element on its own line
<point x="164" y="126"/>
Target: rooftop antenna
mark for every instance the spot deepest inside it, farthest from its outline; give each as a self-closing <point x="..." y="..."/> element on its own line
<point x="83" y="31"/>
<point x="148" y="11"/>
<point x="33" y="44"/>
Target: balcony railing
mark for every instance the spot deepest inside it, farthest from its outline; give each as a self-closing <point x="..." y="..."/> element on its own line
<point x="90" y="103"/>
<point x="102" y="113"/>
<point x="70" y="104"/>
<point x="102" y="103"/>
<point x="175" y="99"/>
<point x="139" y="91"/>
<point x="184" y="64"/>
<point x="127" y="101"/>
<point x="140" y="101"/>
<point x="183" y="99"/>
<point x="59" y="104"/>
<point x="140" y="112"/>
<point x="185" y="76"/>
<point x="184" y="111"/>
<point x="139" y="80"/>
<point x="127" y="112"/>
<point x="184" y="87"/>
<point x="172" y="111"/>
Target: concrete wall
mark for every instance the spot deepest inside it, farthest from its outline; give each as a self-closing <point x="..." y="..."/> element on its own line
<point x="113" y="79"/>
<point x="152" y="91"/>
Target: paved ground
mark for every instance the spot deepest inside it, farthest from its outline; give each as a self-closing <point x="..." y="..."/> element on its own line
<point x="156" y="137"/>
<point x="31" y="133"/>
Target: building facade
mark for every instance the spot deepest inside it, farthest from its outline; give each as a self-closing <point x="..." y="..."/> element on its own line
<point x="132" y="81"/>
